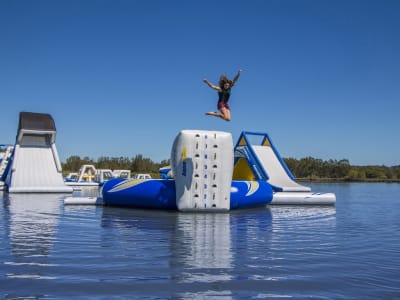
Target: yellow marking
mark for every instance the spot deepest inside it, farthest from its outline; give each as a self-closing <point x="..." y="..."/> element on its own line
<point x="126" y="185"/>
<point x="184" y="154"/>
<point x="242" y="171"/>
<point x="242" y="141"/>
<point x="266" y="143"/>
<point x="252" y="187"/>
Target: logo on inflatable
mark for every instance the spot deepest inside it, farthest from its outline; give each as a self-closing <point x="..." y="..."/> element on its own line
<point x="126" y="184"/>
<point x="252" y="187"/>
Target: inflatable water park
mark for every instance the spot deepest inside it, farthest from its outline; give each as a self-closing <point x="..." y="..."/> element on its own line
<point x="208" y="173"/>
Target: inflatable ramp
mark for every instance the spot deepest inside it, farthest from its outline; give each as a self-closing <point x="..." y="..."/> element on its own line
<point x="263" y="162"/>
<point x="260" y="160"/>
<point x="34" y="165"/>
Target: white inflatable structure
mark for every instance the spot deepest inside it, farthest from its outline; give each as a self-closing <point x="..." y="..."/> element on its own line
<point x="34" y="165"/>
<point x="202" y="164"/>
<point x="5" y="155"/>
<point x="83" y="201"/>
<point x="278" y="176"/>
<point x="85" y="177"/>
<point x="262" y="162"/>
<point x="303" y="198"/>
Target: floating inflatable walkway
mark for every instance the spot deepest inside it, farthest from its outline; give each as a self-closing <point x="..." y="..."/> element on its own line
<point x="34" y="165"/>
<point x="256" y="158"/>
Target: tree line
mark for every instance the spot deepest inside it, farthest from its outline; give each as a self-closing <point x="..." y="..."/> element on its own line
<point x="317" y="169"/>
<point x="307" y="168"/>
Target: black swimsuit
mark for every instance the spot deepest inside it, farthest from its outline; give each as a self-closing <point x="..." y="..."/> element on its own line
<point x="223" y="98"/>
<point x="224" y="95"/>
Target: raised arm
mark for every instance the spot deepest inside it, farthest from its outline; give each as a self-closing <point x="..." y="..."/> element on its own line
<point x="217" y="88"/>
<point x="236" y="77"/>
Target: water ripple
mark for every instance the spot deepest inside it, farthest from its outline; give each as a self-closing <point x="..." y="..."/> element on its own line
<point x="348" y="251"/>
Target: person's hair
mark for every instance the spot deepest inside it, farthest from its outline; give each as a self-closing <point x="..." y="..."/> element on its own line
<point x="224" y="79"/>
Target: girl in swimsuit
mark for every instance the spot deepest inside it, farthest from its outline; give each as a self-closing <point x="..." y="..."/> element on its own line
<point x="224" y="92"/>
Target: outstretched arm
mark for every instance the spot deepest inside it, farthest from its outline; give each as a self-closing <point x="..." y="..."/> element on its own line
<point x="236" y="77"/>
<point x="217" y="88"/>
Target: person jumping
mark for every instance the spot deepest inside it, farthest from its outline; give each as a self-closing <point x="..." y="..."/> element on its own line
<point x="224" y="92"/>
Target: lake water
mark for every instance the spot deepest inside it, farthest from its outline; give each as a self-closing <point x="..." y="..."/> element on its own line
<point x="351" y="251"/>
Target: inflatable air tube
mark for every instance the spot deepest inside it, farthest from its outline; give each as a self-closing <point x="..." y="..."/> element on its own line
<point x="161" y="194"/>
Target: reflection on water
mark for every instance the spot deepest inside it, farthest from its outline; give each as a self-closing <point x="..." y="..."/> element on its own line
<point x="195" y="249"/>
<point x="193" y="240"/>
<point x="31" y="230"/>
<point x="202" y="233"/>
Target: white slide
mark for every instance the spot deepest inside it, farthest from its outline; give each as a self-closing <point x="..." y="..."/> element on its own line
<point x="34" y="170"/>
<point x="291" y="192"/>
<point x="35" y="165"/>
<point x="266" y="164"/>
<point x="278" y="177"/>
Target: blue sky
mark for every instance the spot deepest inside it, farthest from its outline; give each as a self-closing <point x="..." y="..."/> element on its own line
<point x="122" y="77"/>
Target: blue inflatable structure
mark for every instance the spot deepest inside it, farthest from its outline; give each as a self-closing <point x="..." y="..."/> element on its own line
<point x="202" y="167"/>
<point x="160" y="194"/>
<point x="209" y="174"/>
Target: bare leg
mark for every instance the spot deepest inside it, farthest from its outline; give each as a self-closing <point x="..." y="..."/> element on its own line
<point x="225" y="114"/>
<point x="214" y="113"/>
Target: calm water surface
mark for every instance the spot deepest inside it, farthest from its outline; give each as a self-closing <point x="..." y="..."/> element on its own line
<point x="351" y="251"/>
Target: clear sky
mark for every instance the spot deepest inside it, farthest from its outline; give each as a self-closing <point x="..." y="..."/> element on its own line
<point x="123" y="77"/>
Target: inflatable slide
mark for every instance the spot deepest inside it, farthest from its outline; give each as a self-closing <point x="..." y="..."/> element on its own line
<point x="256" y="158"/>
<point x="34" y="166"/>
